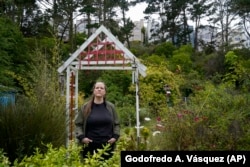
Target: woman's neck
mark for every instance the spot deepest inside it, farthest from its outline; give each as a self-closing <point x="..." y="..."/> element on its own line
<point x="98" y="100"/>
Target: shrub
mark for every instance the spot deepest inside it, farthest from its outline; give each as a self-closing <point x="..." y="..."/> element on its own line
<point x="37" y="118"/>
<point x="67" y="157"/>
<point x="4" y="160"/>
<point x="216" y="119"/>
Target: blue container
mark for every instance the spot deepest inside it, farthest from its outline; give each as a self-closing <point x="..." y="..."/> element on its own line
<point x="7" y="97"/>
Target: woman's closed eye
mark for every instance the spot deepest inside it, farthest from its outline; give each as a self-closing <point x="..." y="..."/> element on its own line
<point x="102" y="88"/>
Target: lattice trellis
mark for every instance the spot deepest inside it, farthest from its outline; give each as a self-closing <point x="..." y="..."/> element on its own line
<point x="101" y="51"/>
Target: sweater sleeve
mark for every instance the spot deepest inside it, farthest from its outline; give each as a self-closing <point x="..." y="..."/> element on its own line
<point x="79" y="125"/>
<point x="116" y="129"/>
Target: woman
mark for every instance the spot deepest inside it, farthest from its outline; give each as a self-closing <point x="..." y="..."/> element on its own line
<point x="97" y="123"/>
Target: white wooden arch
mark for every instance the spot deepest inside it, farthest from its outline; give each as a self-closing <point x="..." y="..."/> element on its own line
<point x="101" y="51"/>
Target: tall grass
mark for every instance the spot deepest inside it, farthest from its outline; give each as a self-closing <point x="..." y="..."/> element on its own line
<point x="38" y="118"/>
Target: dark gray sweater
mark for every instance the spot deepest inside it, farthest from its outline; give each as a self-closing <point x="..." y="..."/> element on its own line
<point x="81" y="122"/>
<point x="99" y="127"/>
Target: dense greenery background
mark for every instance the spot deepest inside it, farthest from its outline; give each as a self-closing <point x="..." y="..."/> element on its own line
<point x="207" y="108"/>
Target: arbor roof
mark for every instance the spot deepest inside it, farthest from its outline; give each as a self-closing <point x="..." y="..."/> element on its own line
<point x="101" y="50"/>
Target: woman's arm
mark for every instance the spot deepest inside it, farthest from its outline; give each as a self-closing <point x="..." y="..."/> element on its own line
<point x="79" y="124"/>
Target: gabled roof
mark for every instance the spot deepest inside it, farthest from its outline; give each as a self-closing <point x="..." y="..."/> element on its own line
<point x="128" y="56"/>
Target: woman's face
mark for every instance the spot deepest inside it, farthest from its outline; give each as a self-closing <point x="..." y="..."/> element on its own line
<point x="99" y="89"/>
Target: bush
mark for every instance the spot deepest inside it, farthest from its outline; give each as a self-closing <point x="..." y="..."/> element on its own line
<point x="216" y="119"/>
<point x="4" y="161"/>
<point x="37" y="118"/>
<point x="67" y="157"/>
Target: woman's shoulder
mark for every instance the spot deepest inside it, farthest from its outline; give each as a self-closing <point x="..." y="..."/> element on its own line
<point x="84" y="104"/>
<point x="108" y="103"/>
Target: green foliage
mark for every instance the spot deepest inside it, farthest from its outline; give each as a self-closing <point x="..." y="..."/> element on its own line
<point x="67" y="157"/>
<point x="140" y="50"/>
<point x="13" y="51"/>
<point x="36" y="118"/>
<point x="44" y="44"/>
<point x="152" y="93"/>
<point x="96" y="160"/>
<point x="211" y="117"/>
<point x="230" y="58"/>
<point x="241" y="6"/>
<point x="242" y="53"/>
<point x="31" y="123"/>
<point x="126" y="31"/>
<point x="127" y="114"/>
<point x="182" y="58"/>
<point x="210" y="64"/>
<point x="165" y="49"/>
<point x="80" y="38"/>
<point x="52" y="157"/>
<point x="118" y="83"/>
<point x="235" y="72"/>
<point x="4" y="160"/>
<point x="28" y="125"/>
<point x="192" y="82"/>
<point x="154" y="60"/>
<point x="131" y="142"/>
<point x="216" y="119"/>
<point x="62" y="156"/>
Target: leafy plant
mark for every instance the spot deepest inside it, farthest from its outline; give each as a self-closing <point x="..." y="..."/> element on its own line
<point x="68" y="157"/>
<point x="4" y="160"/>
<point x="215" y="119"/>
<point x="38" y="116"/>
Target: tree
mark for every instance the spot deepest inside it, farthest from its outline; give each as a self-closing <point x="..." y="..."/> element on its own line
<point x="166" y="49"/>
<point x="181" y="60"/>
<point x="37" y="113"/>
<point x="224" y="20"/>
<point x="88" y="9"/>
<point x="173" y="14"/>
<point x="242" y="7"/>
<point x="62" y="14"/>
<point x="13" y="50"/>
<point x="198" y="10"/>
<point x="27" y="15"/>
<point x="152" y="93"/>
<point x="155" y="7"/>
<point x="128" y="25"/>
<point x="235" y="73"/>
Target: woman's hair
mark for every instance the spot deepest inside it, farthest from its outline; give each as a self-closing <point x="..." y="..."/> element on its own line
<point x="91" y="101"/>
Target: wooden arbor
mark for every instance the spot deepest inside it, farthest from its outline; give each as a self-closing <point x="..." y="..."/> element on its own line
<point x="101" y="51"/>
